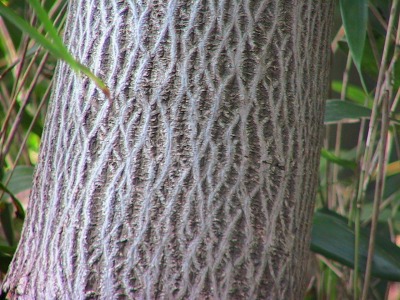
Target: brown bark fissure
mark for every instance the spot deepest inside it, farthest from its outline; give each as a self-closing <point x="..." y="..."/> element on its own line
<point x="198" y="179"/>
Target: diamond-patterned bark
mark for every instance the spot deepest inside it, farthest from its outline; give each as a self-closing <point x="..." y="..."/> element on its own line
<point x="197" y="180"/>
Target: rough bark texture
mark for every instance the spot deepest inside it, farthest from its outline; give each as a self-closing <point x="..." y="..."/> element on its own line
<point x="198" y="179"/>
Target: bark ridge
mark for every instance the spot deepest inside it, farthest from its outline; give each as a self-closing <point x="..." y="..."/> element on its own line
<point x="198" y="180"/>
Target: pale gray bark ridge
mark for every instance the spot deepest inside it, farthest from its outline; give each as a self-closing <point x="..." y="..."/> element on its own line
<point x="198" y="179"/>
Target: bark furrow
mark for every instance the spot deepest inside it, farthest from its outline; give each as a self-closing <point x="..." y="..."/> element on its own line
<point x="198" y="179"/>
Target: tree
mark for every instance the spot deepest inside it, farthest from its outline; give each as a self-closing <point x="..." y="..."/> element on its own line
<point x="197" y="178"/>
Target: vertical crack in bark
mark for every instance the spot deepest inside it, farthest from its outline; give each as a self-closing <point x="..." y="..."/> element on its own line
<point x="197" y="181"/>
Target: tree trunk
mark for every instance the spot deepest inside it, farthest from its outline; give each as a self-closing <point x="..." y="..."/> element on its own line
<point x="197" y="180"/>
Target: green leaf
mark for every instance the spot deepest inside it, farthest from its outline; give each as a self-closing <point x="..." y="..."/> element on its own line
<point x="334" y="239"/>
<point x="392" y="184"/>
<point x="21" y="179"/>
<point x="55" y="45"/>
<point x="4" y="263"/>
<point x="396" y="77"/>
<point x="367" y="210"/>
<point x="355" y="16"/>
<point x="26" y="120"/>
<point x="353" y="93"/>
<point x="6" y="255"/>
<point x="24" y="26"/>
<point x="339" y="110"/>
<point x="6" y="220"/>
<point x="7" y="250"/>
<point x="337" y="160"/>
<point x="369" y="64"/>
<point x="47" y="23"/>
<point x="16" y="202"/>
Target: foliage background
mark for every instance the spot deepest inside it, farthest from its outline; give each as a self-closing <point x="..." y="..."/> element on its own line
<point x="357" y="220"/>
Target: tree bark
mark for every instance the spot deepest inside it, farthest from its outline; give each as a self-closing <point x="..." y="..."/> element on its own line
<point x="197" y="180"/>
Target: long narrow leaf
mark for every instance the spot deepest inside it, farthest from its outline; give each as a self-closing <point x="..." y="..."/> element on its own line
<point x="339" y="110"/>
<point x="334" y="239"/>
<point x="6" y="255"/>
<point x="355" y="16"/>
<point x="7" y="250"/>
<point x="54" y="48"/>
<point x="24" y="26"/>
<point x="21" y="179"/>
<point x="16" y="202"/>
<point x="47" y="23"/>
<point x="6" y="221"/>
<point x="354" y="93"/>
<point x="337" y="160"/>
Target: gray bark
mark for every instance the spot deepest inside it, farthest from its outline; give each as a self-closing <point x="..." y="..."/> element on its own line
<point x="198" y="179"/>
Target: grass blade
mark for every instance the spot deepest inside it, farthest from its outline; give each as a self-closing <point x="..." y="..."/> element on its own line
<point x="55" y="47"/>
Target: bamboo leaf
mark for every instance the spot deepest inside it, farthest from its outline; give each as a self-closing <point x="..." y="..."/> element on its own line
<point x="337" y="160"/>
<point x="7" y="250"/>
<point x="47" y="23"/>
<point x="55" y="47"/>
<point x="353" y="93"/>
<point x="21" y="179"/>
<point x="393" y="168"/>
<point x="334" y="239"/>
<point x="16" y="202"/>
<point x="6" y="255"/>
<point x="355" y="16"/>
<point x="6" y="220"/>
<point x="24" y="26"/>
<point x="339" y="110"/>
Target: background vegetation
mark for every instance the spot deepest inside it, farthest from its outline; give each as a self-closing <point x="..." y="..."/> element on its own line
<point x="357" y="220"/>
